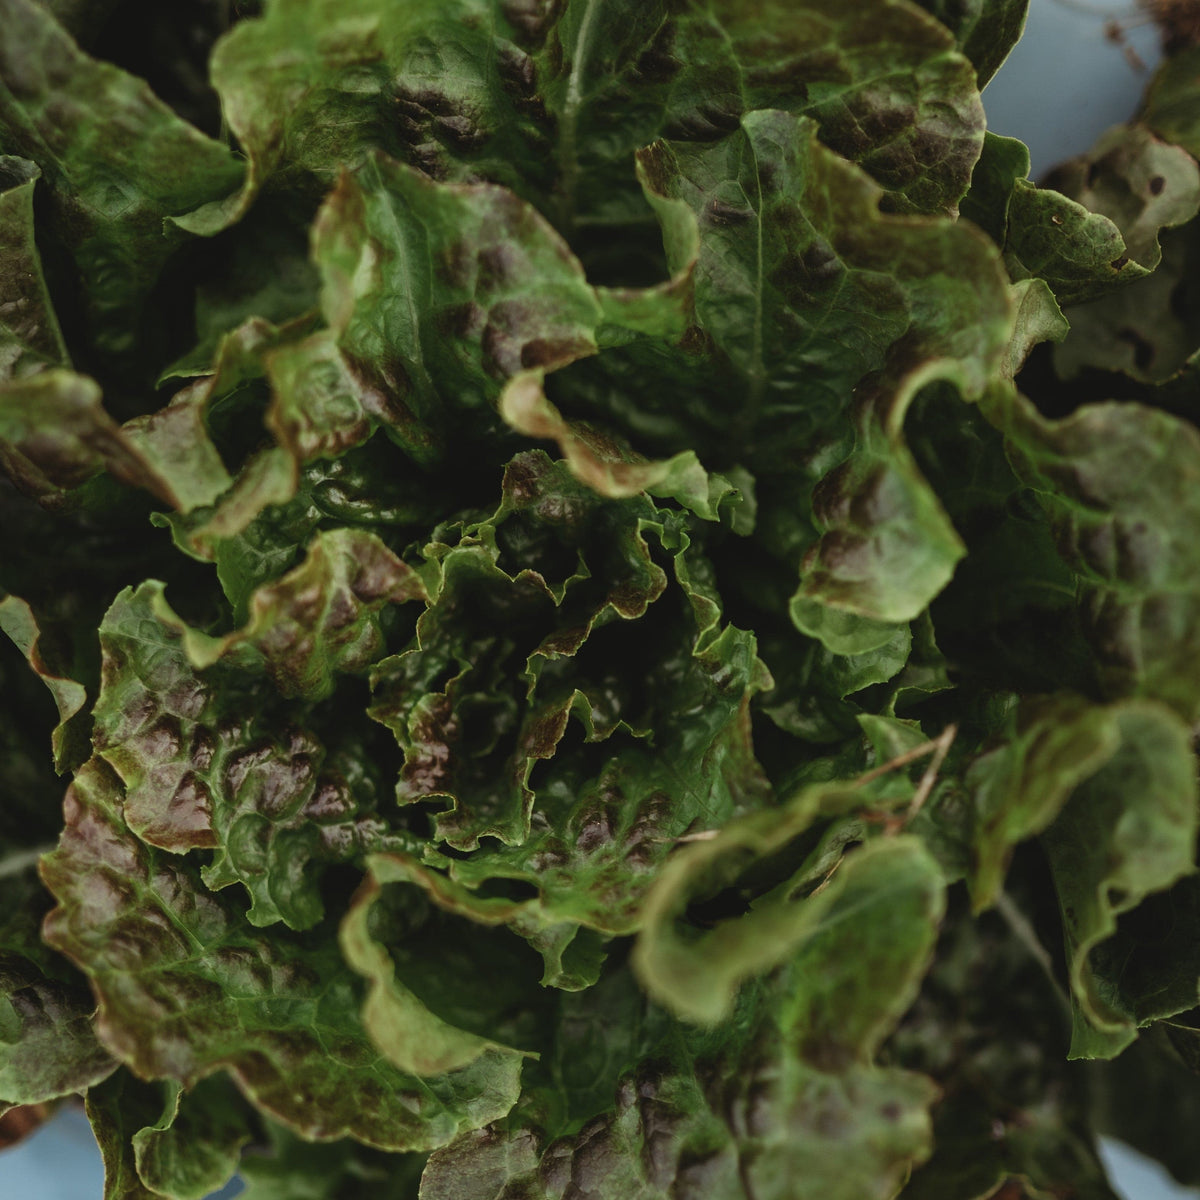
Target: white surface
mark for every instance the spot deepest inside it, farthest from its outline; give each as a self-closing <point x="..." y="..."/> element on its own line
<point x="61" y="1161"/>
<point x="1065" y="82"/>
<point x="1137" y="1177"/>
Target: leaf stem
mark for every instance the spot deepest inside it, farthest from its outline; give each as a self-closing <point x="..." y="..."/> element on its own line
<point x="567" y="129"/>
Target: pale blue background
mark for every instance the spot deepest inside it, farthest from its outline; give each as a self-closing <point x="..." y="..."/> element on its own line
<point x="1064" y="84"/>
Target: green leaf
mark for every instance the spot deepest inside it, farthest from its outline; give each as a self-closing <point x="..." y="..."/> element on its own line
<point x="614" y="471"/>
<point x="411" y="1036"/>
<point x="1128" y="831"/>
<point x="214" y="761"/>
<point x="54" y="435"/>
<point x="697" y="974"/>
<point x="1039" y="319"/>
<point x="792" y="242"/>
<point x="793" y="246"/>
<point x="30" y="337"/>
<point x="984" y="30"/>
<point x="48" y="1045"/>
<point x="553" y="102"/>
<point x="193" y="1148"/>
<point x="1117" y="482"/>
<point x="1096" y="223"/>
<point x="1140" y="183"/>
<point x="1171" y="107"/>
<point x="445" y="290"/>
<point x="323" y="617"/>
<point x="117" y="1110"/>
<point x="160" y="1141"/>
<point x="1019" y="789"/>
<point x="887" y="547"/>
<point x="1138" y="330"/>
<point x="187" y="987"/>
<point x="18" y="621"/>
<point x="117" y="162"/>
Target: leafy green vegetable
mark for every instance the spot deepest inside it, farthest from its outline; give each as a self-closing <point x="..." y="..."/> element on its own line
<point x="565" y="631"/>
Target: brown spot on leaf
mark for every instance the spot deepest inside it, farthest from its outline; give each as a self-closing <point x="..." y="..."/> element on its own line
<point x="202" y="749"/>
<point x="530" y="17"/>
<point x="543" y="732"/>
<point x="522" y="480"/>
<point x="161" y="742"/>
<point x="719" y="213"/>
<point x="516" y="69"/>
<point x="552" y="353"/>
<point x="658" y="167"/>
<point x="187" y="824"/>
<point x="466" y="321"/>
<point x="498" y="263"/>
<point x="461" y="131"/>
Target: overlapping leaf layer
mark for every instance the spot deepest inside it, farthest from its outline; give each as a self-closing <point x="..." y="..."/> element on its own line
<point x="592" y="644"/>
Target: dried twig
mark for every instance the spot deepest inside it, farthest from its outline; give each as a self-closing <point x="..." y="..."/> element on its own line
<point x="941" y="746"/>
<point x="901" y="760"/>
<point x="937" y="748"/>
<point x="825" y="882"/>
<point x="704" y="835"/>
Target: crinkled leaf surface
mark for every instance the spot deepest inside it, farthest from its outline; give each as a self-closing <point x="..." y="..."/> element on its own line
<point x="582" y="797"/>
<point x="748" y="1119"/>
<point x="553" y="100"/>
<point x="186" y="987"/>
<point x="48" y="1045"/>
<point x="323" y="617"/>
<point x="215" y="761"/>
<point x="804" y="289"/>
<point x="594" y="595"/>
